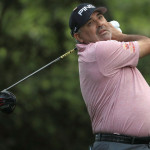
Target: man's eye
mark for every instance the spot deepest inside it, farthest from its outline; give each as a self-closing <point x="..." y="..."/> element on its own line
<point x="100" y="17"/>
<point x="89" y="23"/>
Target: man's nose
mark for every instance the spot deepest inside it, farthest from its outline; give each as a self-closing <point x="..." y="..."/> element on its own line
<point x="99" y="23"/>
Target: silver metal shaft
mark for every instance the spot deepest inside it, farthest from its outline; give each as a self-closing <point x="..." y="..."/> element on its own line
<point x="57" y="59"/>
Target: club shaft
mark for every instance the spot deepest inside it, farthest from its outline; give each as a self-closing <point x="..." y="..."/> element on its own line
<point x="57" y="59"/>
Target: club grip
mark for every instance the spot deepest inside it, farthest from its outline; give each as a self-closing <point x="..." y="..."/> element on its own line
<point x="64" y="55"/>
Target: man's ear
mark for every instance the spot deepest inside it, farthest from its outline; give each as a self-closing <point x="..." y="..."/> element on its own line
<point x="78" y="37"/>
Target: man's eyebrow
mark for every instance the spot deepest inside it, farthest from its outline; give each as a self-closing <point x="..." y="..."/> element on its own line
<point x="99" y="13"/>
<point x="89" y="20"/>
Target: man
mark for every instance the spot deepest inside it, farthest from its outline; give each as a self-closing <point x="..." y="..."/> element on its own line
<point x="115" y="93"/>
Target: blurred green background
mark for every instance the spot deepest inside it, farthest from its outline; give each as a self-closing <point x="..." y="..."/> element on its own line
<point x="50" y="112"/>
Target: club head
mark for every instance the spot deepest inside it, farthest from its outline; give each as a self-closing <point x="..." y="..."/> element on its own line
<point x="7" y="102"/>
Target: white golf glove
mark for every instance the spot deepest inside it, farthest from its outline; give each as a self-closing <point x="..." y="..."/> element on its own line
<point x="116" y="25"/>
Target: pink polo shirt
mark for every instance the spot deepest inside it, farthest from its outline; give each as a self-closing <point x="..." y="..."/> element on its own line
<point x="115" y="93"/>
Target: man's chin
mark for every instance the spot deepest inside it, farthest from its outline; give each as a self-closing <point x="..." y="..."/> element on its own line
<point x="106" y="36"/>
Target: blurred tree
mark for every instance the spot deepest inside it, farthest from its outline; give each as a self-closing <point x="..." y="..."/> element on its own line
<point x="50" y="112"/>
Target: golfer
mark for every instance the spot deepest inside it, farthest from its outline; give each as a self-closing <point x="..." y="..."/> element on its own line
<point x="115" y="93"/>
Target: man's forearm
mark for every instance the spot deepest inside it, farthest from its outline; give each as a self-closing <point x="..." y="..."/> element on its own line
<point x="144" y="47"/>
<point x="118" y="36"/>
<point x="128" y="37"/>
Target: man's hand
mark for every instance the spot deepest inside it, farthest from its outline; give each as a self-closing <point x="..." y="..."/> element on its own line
<point x="116" y="34"/>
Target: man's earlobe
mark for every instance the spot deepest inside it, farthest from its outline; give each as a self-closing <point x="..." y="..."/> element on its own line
<point x="78" y="38"/>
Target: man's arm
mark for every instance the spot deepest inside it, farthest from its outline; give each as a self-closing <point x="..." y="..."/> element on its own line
<point x="144" y="46"/>
<point x="118" y="36"/>
<point x="128" y="37"/>
<point x="143" y="41"/>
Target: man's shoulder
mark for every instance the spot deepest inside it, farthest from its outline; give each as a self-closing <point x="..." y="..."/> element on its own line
<point x="99" y="44"/>
<point x="106" y="42"/>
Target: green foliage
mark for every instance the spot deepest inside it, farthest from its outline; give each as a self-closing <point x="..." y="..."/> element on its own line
<point x="50" y="112"/>
<point x="133" y="16"/>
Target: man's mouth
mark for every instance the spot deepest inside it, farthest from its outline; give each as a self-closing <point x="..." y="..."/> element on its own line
<point x="102" y="31"/>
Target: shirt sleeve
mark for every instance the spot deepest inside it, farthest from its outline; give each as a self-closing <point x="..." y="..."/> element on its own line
<point x="113" y="55"/>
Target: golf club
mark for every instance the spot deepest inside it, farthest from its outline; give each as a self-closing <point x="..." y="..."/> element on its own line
<point x="8" y="100"/>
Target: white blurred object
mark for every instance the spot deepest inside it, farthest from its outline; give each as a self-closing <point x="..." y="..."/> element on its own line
<point x="116" y="25"/>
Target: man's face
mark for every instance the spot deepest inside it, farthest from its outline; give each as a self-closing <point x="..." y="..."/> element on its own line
<point x="96" y="29"/>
